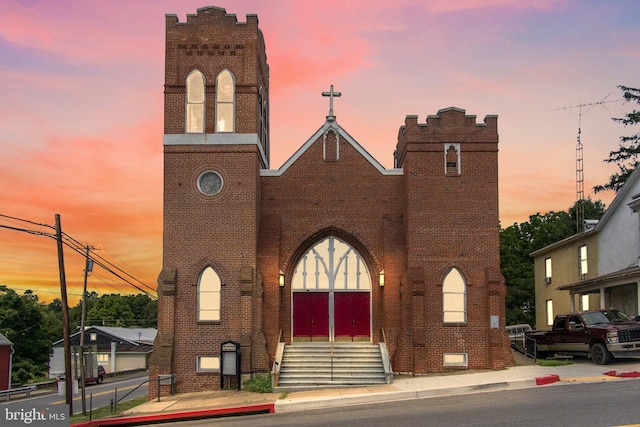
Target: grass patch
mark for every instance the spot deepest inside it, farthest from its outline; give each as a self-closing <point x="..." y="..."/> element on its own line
<point x="553" y="362"/>
<point x="105" y="412"/>
<point x="259" y="384"/>
<point x="283" y="395"/>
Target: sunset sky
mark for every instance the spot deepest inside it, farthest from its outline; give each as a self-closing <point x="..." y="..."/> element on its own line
<point x="81" y="105"/>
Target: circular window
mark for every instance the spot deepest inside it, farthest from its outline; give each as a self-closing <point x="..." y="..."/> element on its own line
<point x="210" y="183"/>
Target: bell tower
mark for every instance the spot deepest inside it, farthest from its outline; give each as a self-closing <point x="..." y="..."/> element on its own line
<point x="216" y="141"/>
<point x="216" y="79"/>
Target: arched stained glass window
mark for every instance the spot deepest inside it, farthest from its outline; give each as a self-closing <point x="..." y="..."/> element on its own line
<point x="209" y="295"/>
<point x="225" y="102"/>
<point x="331" y="264"/>
<point x="194" y="121"/>
<point x="454" y="298"/>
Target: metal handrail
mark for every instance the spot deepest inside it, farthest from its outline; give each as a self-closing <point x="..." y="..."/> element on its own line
<point x="386" y="360"/>
<point x="115" y="400"/>
<point x="331" y="349"/>
<point x="277" y="361"/>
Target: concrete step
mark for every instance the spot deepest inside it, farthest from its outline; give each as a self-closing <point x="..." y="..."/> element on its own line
<point x="310" y="365"/>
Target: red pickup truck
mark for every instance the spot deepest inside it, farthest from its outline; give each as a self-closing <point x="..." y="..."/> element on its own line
<point x="599" y="334"/>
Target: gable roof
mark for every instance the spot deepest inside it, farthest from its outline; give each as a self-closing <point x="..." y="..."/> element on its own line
<point x="135" y="336"/>
<point x="330" y="124"/>
<point x="615" y="204"/>
<point x="620" y="198"/>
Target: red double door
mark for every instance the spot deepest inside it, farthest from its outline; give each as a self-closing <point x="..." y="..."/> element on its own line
<point x="314" y="313"/>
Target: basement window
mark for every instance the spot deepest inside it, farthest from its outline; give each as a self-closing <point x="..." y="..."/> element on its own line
<point x="208" y="364"/>
<point x="454" y="360"/>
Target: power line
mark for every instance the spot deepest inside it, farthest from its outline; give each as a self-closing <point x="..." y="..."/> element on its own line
<point x="78" y="247"/>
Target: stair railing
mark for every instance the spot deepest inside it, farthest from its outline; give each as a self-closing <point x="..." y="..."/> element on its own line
<point x="386" y="361"/>
<point x="277" y="362"/>
<point x="331" y="350"/>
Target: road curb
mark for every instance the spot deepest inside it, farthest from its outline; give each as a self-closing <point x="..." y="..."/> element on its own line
<point x="284" y="406"/>
<point x="179" y="416"/>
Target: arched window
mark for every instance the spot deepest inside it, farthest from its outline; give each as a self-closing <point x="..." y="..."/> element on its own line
<point x="454" y="298"/>
<point x="225" y="102"/>
<point x="194" y="121"/>
<point x="331" y="264"/>
<point x="209" y="295"/>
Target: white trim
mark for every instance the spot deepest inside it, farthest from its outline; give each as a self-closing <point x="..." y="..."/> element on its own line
<point x="330" y="125"/>
<point x="225" y="138"/>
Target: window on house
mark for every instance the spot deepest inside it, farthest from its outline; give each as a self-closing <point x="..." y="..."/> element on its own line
<point x="583" y="260"/>
<point x="209" y="296"/>
<point x="208" y="364"/>
<point x="452" y="158"/>
<point x="195" y="103"/>
<point x="102" y="357"/>
<point x="549" y="312"/>
<point x="547" y="270"/>
<point x="454" y="298"/>
<point x="225" y="102"/>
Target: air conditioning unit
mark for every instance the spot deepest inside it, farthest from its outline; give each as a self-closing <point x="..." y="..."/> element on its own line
<point x="547" y="280"/>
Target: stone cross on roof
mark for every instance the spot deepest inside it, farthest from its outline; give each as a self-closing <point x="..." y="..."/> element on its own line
<point x="331" y="94"/>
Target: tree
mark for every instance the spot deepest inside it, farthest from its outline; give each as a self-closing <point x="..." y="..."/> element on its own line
<point x="518" y="241"/>
<point x="626" y="157"/>
<point x="31" y="326"/>
<point x="124" y="311"/>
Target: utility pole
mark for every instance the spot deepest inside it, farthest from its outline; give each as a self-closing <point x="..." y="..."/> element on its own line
<point x="88" y="267"/>
<point x="68" y="380"/>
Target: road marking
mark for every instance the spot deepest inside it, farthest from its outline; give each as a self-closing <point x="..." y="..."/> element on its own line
<point x="605" y="378"/>
<point x="95" y="394"/>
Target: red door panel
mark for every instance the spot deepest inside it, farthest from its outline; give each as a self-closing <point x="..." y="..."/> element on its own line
<point x="351" y="314"/>
<point x="310" y="314"/>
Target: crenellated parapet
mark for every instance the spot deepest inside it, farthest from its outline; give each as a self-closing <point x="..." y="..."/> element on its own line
<point x="205" y="15"/>
<point x="450" y="125"/>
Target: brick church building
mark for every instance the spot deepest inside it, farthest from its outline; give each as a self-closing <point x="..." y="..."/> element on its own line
<point x="331" y="247"/>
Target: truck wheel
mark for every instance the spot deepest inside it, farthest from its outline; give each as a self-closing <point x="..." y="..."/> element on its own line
<point x="541" y="354"/>
<point x="599" y="354"/>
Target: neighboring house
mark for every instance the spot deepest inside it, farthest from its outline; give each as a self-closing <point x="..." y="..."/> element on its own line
<point x="6" y="356"/>
<point x="609" y="251"/>
<point x="116" y="349"/>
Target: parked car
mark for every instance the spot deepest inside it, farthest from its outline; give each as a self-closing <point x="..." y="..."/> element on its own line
<point x="98" y="379"/>
<point x="516" y="335"/>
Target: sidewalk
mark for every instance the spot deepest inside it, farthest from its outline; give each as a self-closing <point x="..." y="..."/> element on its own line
<point x="216" y="403"/>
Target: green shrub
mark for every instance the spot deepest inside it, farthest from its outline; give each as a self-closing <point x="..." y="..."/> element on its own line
<point x="259" y="384"/>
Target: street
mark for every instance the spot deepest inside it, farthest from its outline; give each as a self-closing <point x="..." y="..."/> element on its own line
<point x="567" y="405"/>
<point x="101" y="394"/>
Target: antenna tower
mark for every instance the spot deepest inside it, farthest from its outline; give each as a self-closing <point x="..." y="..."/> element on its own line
<point x="580" y="160"/>
<point x="580" y="175"/>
